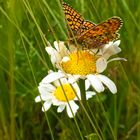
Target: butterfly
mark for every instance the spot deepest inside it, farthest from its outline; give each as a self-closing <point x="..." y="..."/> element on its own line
<point x="88" y="34"/>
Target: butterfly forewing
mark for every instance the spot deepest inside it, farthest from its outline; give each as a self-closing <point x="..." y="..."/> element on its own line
<point x="74" y="19"/>
<point x="87" y="25"/>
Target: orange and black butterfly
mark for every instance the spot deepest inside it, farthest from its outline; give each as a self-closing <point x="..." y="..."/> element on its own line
<point x="88" y="34"/>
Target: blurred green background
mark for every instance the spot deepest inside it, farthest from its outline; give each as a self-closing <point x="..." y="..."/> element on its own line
<point x="25" y="28"/>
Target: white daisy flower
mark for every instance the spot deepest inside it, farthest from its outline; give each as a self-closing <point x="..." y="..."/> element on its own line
<point x="59" y="92"/>
<point x="85" y="64"/>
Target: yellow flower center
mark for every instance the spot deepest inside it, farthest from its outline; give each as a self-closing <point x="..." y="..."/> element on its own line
<point x="64" y="93"/>
<point x="80" y="62"/>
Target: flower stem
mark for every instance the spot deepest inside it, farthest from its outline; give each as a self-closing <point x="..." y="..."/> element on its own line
<point x="83" y="93"/>
<point x="84" y="105"/>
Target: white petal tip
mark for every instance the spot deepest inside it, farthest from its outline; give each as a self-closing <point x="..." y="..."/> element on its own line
<point x="117" y="43"/>
<point x="116" y="59"/>
<point x="124" y="59"/>
<point x="37" y="99"/>
<point x="101" y="65"/>
<point x="65" y="59"/>
<point x="109" y="83"/>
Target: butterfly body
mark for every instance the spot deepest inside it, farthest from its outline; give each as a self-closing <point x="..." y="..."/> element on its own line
<point x="88" y="34"/>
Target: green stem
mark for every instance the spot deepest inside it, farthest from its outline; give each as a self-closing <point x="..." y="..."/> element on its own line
<point x="84" y="103"/>
<point x="83" y="93"/>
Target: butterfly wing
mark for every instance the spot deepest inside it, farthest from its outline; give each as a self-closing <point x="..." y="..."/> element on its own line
<point x="101" y="34"/>
<point x="87" y="33"/>
<point x="86" y="26"/>
<point x="76" y="23"/>
<point x="74" y="19"/>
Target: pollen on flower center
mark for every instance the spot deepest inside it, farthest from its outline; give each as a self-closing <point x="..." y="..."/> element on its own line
<point x="64" y="93"/>
<point x="81" y="63"/>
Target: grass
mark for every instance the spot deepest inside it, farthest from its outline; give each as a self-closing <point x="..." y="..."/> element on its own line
<point x="25" y="28"/>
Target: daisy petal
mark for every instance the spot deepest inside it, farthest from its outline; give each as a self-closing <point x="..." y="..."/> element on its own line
<point x="72" y="109"/>
<point x="46" y="105"/>
<point x="116" y="59"/>
<point x="61" y="48"/>
<point x="50" y="50"/>
<point x="109" y="83"/>
<point x="101" y="64"/>
<point x="77" y="90"/>
<point x="115" y="49"/>
<point x="43" y="97"/>
<point x="58" y="83"/>
<point x="58" y="44"/>
<point x="111" y="49"/>
<point x="65" y="59"/>
<point x="45" y="88"/>
<point x="117" y="43"/>
<point x="52" y="77"/>
<point x="60" y="108"/>
<point x="104" y="49"/>
<point x="73" y="78"/>
<point x="87" y="84"/>
<point x="58" y="102"/>
<point x="37" y="99"/>
<point x="89" y="94"/>
<point x="95" y="82"/>
<point x="55" y="56"/>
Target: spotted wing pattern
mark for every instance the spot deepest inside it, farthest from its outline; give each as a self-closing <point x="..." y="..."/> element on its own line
<point x="89" y="34"/>
<point x="101" y="34"/>
<point x="86" y="26"/>
<point x="74" y="19"/>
